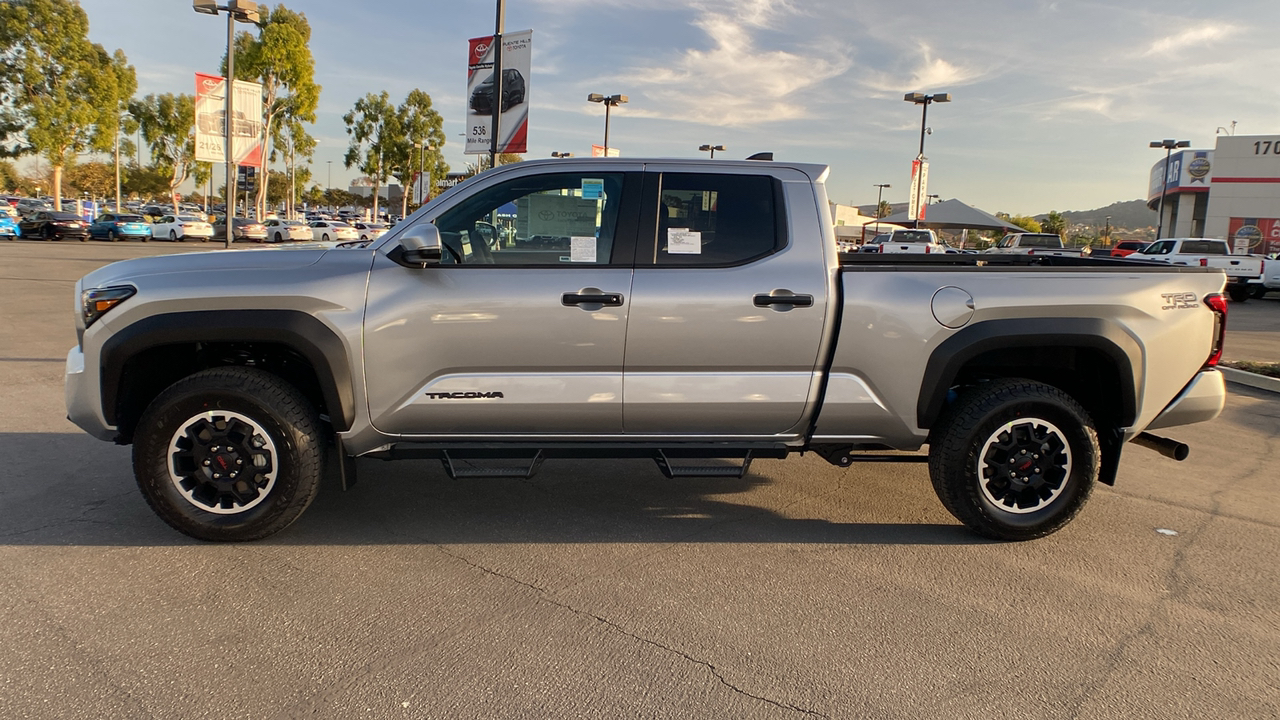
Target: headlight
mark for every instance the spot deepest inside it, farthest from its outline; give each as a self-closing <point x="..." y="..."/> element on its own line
<point x="97" y="302"/>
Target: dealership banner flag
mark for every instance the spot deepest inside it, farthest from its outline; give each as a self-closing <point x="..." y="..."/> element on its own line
<point x="517" y="53"/>
<point x="246" y="126"/>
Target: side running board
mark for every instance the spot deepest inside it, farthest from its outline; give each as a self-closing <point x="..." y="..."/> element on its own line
<point x="671" y="470"/>
<point x="458" y="465"/>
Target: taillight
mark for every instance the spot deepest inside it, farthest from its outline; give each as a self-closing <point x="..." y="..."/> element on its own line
<point x="1204" y="262"/>
<point x="1218" y="304"/>
<point x="928" y="249"/>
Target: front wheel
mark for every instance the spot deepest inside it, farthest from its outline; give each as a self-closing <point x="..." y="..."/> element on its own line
<point x="229" y="454"/>
<point x="1014" y="459"/>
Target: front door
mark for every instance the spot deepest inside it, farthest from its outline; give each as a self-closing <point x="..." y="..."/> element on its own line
<point x="727" y="310"/>
<point x="521" y="329"/>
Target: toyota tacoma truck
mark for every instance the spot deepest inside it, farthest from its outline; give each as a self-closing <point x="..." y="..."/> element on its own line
<point x="693" y="312"/>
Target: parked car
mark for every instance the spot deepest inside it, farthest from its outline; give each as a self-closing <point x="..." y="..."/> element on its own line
<point x="242" y="229"/>
<point x="285" y="230"/>
<point x="8" y="227"/>
<point x="181" y="227"/>
<point x="905" y="241"/>
<point x="326" y="230"/>
<point x="1128" y="247"/>
<point x="370" y="230"/>
<point x="1029" y="243"/>
<point x="53" y="225"/>
<point x="512" y="92"/>
<point x="1241" y="270"/>
<point x="113" y="226"/>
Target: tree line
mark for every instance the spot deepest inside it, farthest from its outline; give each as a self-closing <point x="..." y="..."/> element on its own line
<point x="63" y="96"/>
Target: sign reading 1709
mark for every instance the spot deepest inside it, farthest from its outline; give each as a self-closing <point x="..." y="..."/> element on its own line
<point x="1266" y="147"/>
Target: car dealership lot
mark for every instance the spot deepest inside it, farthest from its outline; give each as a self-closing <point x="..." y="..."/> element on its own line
<point x="601" y="589"/>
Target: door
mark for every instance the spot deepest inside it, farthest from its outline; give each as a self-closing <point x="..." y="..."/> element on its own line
<point x="521" y="329"/>
<point x="727" y="309"/>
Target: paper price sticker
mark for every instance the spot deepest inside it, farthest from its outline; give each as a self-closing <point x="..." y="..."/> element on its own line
<point x="582" y="249"/>
<point x="683" y="241"/>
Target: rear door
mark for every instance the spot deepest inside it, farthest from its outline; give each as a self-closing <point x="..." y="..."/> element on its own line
<point x="521" y="330"/>
<point x="728" y="304"/>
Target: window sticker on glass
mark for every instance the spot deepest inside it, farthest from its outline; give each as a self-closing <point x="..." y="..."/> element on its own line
<point x="582" y="249"/>
<point x="592" y="188"/>
<point x="682" y="241"/>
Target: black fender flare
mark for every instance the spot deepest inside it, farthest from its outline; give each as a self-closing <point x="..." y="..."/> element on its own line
<point x="1094" y="333"/>
<point x="295" y="329"/>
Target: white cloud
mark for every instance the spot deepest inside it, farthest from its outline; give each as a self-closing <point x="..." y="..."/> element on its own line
<point x="930" y="73"/>
<point x="737" y="82"/>
<point x="1193" y="38"/>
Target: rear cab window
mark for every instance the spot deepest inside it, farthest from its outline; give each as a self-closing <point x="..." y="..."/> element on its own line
<point x="709" y="220"/>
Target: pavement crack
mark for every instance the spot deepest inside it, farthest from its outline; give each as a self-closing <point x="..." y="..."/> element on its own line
<point x="546" y="597"/>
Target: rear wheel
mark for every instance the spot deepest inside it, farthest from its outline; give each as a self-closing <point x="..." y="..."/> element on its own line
<point x="173" y="236"/>
<point x="111" y="235"/>
<point x="1238" y="293"/>
<point x="229" y="454"/>
<point x="1014" y="459"/>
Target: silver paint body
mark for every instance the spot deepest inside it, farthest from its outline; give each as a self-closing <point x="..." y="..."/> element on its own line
<point x="686" y="357"/>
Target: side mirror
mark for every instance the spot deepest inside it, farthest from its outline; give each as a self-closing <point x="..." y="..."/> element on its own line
<point x="421" y="244"/>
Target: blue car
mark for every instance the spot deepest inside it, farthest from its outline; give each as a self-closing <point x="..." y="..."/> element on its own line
<point x="8" y="227"/>
<point x="113" y="227"/>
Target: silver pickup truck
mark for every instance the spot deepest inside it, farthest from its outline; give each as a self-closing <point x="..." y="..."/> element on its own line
<point x="692" y="312"/>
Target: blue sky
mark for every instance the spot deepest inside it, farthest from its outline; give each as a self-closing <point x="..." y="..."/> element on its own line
<point x="1053" y="102"/>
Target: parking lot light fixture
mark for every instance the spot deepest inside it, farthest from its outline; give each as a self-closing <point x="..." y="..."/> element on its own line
<point x="1168" y="145"/>
<point x="712" y="148"/>
<point x="880" y="196"/>
<point x="923" y="101"/>
<point x="609" y="101"/>
<point x="245" y="11"/>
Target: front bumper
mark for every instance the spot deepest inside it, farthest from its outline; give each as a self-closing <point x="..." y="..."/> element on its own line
<point x="1201" y="400"/>
<point x="84" y="401"/>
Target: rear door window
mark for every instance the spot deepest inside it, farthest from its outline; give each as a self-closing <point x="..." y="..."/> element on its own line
<point x="708" y="219"/>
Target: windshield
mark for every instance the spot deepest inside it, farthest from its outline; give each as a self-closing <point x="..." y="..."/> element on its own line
<point x="129" y="218"/>
<point x="188" y="218"/>
<point x="294" y="223"/>
<point x="63" y="216"/>
<point x="1040" y="241"/>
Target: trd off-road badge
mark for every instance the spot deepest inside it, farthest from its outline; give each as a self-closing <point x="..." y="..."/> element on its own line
<point x="462" y="395"/>
<point x="1180" y="301"/>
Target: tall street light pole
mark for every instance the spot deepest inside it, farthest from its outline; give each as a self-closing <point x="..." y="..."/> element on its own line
<point x="1168" y="146"/>
<point x="923" y="101"/>
<point x="879" y="195"/>
<point x="712" y="148"/>
<point x="244" y="11"/>
<point x="609" y="101"/>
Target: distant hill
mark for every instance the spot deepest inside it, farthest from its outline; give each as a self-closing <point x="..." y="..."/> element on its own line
<point x="1128" y="214"/>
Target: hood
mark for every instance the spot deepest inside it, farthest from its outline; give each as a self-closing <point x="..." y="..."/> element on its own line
<point x="285" y="257"/>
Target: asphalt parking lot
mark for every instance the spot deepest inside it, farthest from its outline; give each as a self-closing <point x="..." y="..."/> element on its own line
<point x="599" y="589"/>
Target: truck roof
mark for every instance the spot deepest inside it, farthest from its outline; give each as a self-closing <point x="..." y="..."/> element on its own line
<point x="815" y="171"/>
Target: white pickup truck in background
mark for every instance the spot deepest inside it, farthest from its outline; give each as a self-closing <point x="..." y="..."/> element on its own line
<point x="1270" y="280"/>
<point x="1033" y="244"/>
<point x="915" y="242"/>
<point x="1243" y="271"/>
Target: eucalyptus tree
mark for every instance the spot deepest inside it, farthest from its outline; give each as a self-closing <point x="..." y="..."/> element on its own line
<point x="376" y="136"/>
<point x="58" y="90"/>
<point x="168" y="127"/>
<point x="279" y="57"/>
<point x="420" y="143"/>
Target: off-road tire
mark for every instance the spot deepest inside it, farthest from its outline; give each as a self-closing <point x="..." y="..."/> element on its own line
<point x="289" y="426"/>
<point x="968" y="436"/>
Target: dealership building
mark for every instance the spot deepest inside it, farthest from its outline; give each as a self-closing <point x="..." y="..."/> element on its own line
<point x="1230" y="192"/>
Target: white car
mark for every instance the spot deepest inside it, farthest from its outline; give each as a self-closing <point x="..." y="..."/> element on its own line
<point x="286" y="230"/>
<point x="181" y="227"/>
<point x="905" y="241"/>
<point x="336" y="230"/>
<point x="370" y="230"/>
